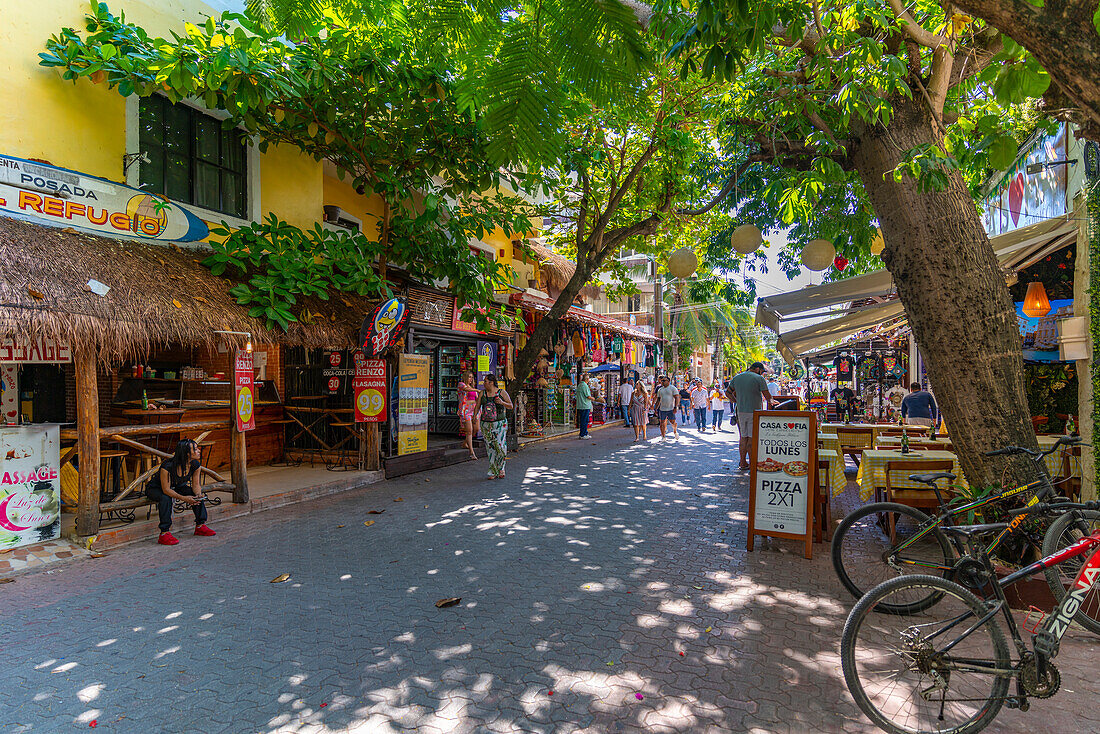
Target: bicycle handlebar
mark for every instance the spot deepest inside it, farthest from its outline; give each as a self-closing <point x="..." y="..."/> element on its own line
<point x="1012" y="450"/>
<point x="1047" y="507"/>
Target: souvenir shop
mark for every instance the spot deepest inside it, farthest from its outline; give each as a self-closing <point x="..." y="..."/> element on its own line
<point x="589" y="346"/>
<point x="875" y="370"/>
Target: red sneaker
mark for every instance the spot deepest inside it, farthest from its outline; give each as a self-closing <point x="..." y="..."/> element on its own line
<point x="167" y="539"/>
<point x="204" y="531"/>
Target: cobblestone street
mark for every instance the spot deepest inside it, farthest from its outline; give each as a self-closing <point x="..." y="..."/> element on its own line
<point x="610" y="573"/>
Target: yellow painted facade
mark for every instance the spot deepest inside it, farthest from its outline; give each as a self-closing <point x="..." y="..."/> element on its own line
<point x="84" y="127"/>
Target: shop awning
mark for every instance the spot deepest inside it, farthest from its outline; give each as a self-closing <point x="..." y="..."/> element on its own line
<point x="579" y="315"/>
<point x="1015" y="251"/>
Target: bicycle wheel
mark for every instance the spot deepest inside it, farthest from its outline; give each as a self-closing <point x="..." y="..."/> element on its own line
<point x="863" y="559"/>
<point x="895" y="670"/>
<point x="1064" y="532"/>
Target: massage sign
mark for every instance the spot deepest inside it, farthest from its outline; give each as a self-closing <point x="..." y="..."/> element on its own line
<point x="244" y="391"/>
<point x="30" y="488"/>
<point x="783" y="475"/>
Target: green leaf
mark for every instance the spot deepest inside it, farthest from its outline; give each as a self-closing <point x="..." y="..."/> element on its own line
<point x="1002" y="152"/>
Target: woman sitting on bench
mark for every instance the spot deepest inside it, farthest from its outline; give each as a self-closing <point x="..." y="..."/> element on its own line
<point x="177" y="480"/>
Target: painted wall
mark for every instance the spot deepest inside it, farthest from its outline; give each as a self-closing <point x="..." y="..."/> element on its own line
<point x="291" y="186"/>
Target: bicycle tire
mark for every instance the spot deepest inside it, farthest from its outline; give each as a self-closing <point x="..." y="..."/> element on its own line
<point x="863" y="613"/>
<point x="1062" y="534"/>
<point x="842" y="557"/>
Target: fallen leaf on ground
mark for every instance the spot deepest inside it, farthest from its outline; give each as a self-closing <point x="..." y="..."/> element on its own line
<point x="97" y="555"/>
<point x="681" y="654"/>
<point x="399" y="499"/>
<point x="697" y="587"/>
<point x="449" y="602"/>
<point x="375" y="512"/>
<point x="93" y="723"/>
<point x="368" y="523"/>
<point x="427" y="480"/>
<point x="341" y="526"/>
<point x="36" y="294"/>
<point x="7" y="581"/>
<point x="708" y="629"/>
<point x="323" y="705"/>
<point x="549" y="693"/>
<point x="281" y="578"/>
<point x="610" y="663"/>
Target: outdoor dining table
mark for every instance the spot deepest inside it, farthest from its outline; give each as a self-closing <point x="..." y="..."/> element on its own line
<point x="894" y="442"/>
<point x="1052" y="462"/>
<point x="835" y="472"/>
<point x="872" y="470"/>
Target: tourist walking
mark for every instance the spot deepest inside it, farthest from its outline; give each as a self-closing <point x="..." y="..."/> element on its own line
<point x="666" y="398"/>
<point x="584" y="406"/>
<point x="492" y="402"/>
<point x="749" y="388"/>
<point x="685" y="403"/>
<point x="467" y="398"/>
<point x="919" y="407"/>
<point x="639" y="411"/>
<point x="626" y="393"/>
<point x="699" y="400"/>
<point x="717" y="406"/>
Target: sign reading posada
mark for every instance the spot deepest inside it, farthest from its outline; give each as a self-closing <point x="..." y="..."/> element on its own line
<point x="44" y="192"/>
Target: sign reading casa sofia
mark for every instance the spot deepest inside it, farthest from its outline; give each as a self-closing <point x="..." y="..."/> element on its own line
<point x="58" y="195"/>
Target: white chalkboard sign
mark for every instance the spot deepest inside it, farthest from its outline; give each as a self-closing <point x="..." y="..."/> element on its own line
<point x="783" y="475"/>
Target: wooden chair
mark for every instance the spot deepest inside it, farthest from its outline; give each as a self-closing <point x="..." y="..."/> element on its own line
<point x="1069" y="481"/>
<point x="1039" y="422"/>
<point x="853" y="440"/>
<point x="922" y="499"/>
<point x="823" y="514"/>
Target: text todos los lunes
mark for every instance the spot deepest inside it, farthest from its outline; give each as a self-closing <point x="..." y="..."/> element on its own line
<point x="781" y="492"/>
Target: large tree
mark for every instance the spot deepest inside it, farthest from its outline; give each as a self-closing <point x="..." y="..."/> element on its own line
<point x="877" y="111"/>
<point x="368" y="103"/>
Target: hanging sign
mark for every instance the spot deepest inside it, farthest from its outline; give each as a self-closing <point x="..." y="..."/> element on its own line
<point x="412" y="408"/>
<point x="369" y="386"/>
<point x="30" y="485"/>
<point x="383" y="327"/>
<point x="783" y="475"/>
<point x="457" y="324"/>
<point x="60" y="196"/>
<point x="244" y="397"/>
<point x="486" y="360"/>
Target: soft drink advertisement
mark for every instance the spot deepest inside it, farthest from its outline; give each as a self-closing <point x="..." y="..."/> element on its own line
<point x="369" y="385"/>
<point x="782" y="473"/>
<point x="245" y="397"/>
<point x="412" y="408"/>
<point x="30" y="485"/>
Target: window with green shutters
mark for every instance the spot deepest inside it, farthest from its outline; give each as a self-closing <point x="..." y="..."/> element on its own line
<point x="191" y="158"/>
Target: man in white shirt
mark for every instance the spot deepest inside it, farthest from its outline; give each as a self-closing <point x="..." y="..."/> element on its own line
<point x="626" y="391"/>
<point x="667" y="398"/>
<point x="699" y="399"/>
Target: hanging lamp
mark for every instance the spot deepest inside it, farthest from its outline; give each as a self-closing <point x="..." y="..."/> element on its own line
<point x="746" y="239"/>
<point x="1036" y="303"/>
<point x="878" y="244"/>
<point x="818" y="254"/>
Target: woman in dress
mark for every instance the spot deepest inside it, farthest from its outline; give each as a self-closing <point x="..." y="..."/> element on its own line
<point x="639" y="411"/>
<point x="467" y="396"/>
<point x="492" y="402"/>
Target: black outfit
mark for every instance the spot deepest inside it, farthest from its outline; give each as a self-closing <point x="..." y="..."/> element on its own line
<point x="844" y="399"/>
<point x="181" y="484"/>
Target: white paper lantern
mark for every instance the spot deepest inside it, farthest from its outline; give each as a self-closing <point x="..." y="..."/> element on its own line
<point x="746" y="239"/>
<point x="682" y="263"/>
<point x="818" y="254"/>
<point x="878" y="244"/>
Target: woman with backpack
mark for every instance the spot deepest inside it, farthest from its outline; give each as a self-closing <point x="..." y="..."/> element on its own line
<point x="492" y="401"/>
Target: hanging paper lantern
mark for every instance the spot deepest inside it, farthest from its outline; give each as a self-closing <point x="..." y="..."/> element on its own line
<point x="818" y="254"/>
<point x="840" y="262"/>
<point x="878" y="244"/>
<point x="682" y="263"/>
<point x="746" y="239"/>
<point x="1036" y="303"/>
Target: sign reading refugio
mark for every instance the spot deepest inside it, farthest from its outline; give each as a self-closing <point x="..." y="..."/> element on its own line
<point x="61" y="196"/>
<point x="783" y="476"/>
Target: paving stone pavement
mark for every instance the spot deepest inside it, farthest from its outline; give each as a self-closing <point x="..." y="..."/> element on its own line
<point x="587" y="572"/>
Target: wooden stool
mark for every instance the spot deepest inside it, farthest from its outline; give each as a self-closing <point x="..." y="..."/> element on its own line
<point x="823" y="514"/>
<point x="342" y="463"/>
<point x="284" y="422"/>
<point x="205" y="447"/>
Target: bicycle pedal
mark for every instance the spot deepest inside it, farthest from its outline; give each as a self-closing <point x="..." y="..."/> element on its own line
<point x="1036" y="614"/>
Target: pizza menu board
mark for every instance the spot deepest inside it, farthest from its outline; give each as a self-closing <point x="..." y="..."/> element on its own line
<point x="783" y="475"/>
<point x="244" y="395"/>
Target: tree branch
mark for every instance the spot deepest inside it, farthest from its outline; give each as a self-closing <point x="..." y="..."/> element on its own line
<point x="731" y="183"/>
<point x="913" y="28"/>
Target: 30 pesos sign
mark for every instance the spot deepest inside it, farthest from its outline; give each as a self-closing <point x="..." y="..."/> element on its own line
<point x="369" y="386"/>
<point x="244" y="391"/>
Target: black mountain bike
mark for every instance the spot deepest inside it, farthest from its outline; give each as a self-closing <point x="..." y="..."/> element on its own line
<point x="947" y="669"/>
<point x="864" y="553"/>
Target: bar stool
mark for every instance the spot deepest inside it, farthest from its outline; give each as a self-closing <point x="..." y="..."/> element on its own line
<point x="112" y="471"/>
<point x="342" y="462"/>
<point x="283" y="423"/>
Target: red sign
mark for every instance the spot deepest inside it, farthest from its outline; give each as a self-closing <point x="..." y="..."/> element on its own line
<point x="245" y="396"/>
<point x="457" y="324"/>
<point x="369" y="386"/>
<point x="334" y="359"/>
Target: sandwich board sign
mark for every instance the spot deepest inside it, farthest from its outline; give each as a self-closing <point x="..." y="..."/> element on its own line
<point x="783" y="475"/>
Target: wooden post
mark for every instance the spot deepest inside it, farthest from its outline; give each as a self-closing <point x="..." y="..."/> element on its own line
<point x="238" y="461"/>
<point x="87" y="431"/>
<point x="373" y="448"/>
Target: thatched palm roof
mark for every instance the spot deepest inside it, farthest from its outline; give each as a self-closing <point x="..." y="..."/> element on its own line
<point x="159" y="295"/>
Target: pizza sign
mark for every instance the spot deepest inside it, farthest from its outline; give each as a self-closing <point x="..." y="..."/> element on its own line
<point x="245" y="401"/>
<point x="369" y="386"/>
<point x="783" y="475"/>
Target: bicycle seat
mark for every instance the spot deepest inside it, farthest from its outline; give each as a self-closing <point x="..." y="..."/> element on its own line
<point x="932" y="477"/>
<point x="968" y="531"/>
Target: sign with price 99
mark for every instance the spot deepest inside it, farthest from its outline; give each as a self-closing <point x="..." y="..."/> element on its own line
<point x="783" y="475"/>
<point x="369" y="386"/>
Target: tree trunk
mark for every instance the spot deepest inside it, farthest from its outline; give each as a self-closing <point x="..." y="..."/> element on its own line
<point x="1061" y="35"/>
<point x="955" y="296"/>
<point x="540" y="338"/>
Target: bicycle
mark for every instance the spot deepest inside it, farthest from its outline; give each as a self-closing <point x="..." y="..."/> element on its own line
<point x="947" y="669"/>
<point x="926" y="548"/>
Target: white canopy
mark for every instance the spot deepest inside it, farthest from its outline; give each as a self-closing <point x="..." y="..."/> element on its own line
<point x="1015" y="251"/>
